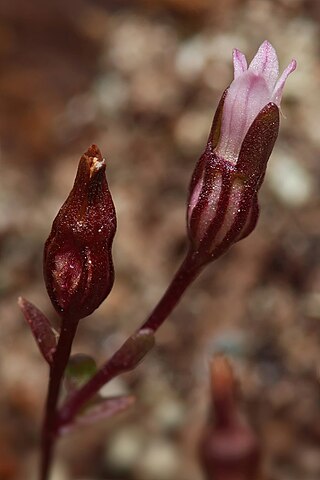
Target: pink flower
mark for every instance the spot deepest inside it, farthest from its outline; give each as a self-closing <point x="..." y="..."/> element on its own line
<point x="251" y="89"/>
<point x="223" y="207"/>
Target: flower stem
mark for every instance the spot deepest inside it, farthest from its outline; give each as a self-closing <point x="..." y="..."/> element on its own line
<point x="60" y="360"/>
<point x="187" y="272"/>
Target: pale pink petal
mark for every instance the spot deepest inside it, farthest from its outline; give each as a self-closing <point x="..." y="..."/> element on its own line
<point x="239" y="63"/>
<point x="278" y="89"/>
<point x="246" y="96"/>
<point x="265" y="63"/>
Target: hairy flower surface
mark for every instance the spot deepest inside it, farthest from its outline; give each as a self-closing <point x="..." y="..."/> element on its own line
<point x="223" y="207"/>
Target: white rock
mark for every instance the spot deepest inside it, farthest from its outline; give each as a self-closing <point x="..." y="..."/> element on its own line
<point x="289" y="180"/>
<point x="160" y="461"/>
<point x="169" y="414"/>
<point x="191" y="58"/>
<point x="110" y="93"/>
<point x="192" y="130"/>
<point x="125" y="448"/>
<point x="114" y="388"/>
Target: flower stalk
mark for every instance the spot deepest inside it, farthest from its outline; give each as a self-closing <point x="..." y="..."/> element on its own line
<point x="79" y="275"/>
<point x="188" y="271"/>
<point x="57" y="368"/>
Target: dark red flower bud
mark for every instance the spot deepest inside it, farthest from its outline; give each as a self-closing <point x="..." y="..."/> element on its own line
<point x="78" y="268"/>
<point x="228" y="447"/>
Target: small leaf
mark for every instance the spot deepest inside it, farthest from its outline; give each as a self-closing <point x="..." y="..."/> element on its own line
<point x="102" y="409"/>
<point x="80" y="369"/>
<point x="133" y="350"/>
<point x="41" y="328"/>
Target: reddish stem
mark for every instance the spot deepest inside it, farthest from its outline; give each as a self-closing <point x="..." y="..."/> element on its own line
<point x="188" y="271"/>
<point x="60" y="360"/>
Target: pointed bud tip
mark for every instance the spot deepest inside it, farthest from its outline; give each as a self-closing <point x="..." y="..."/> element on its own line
<point x="266" y="44"/>
<point x="94" y="159"/>
<point x="222" y="376"/>
<point x="93" y="151"/>
<point x="21" y="301"/>
<point x="293" y="65"/>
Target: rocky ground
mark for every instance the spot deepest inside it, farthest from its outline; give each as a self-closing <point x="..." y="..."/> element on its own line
<point x="141" y="79"/>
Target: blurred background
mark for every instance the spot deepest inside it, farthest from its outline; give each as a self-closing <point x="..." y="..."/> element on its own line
<point x="141" y="79"/>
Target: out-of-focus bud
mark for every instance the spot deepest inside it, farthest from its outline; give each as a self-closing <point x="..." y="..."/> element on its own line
<point x="222" y="206"/>
<point x="78" y="268"/>
<point x="228" y="448"/>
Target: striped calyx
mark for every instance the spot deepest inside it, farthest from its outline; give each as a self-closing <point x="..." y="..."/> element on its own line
<point x="223" y="206"/>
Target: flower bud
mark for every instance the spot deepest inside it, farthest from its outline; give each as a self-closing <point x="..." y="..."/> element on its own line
<point x="223" y="206"/>
<point x="78" y="268"/>
<point x="228" y="447"/>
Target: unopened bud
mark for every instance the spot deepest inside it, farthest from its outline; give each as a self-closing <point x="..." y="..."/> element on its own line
<point x="223" y="206"/>
<point x="78" y="268"/>
<point x="229" y="449"/>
